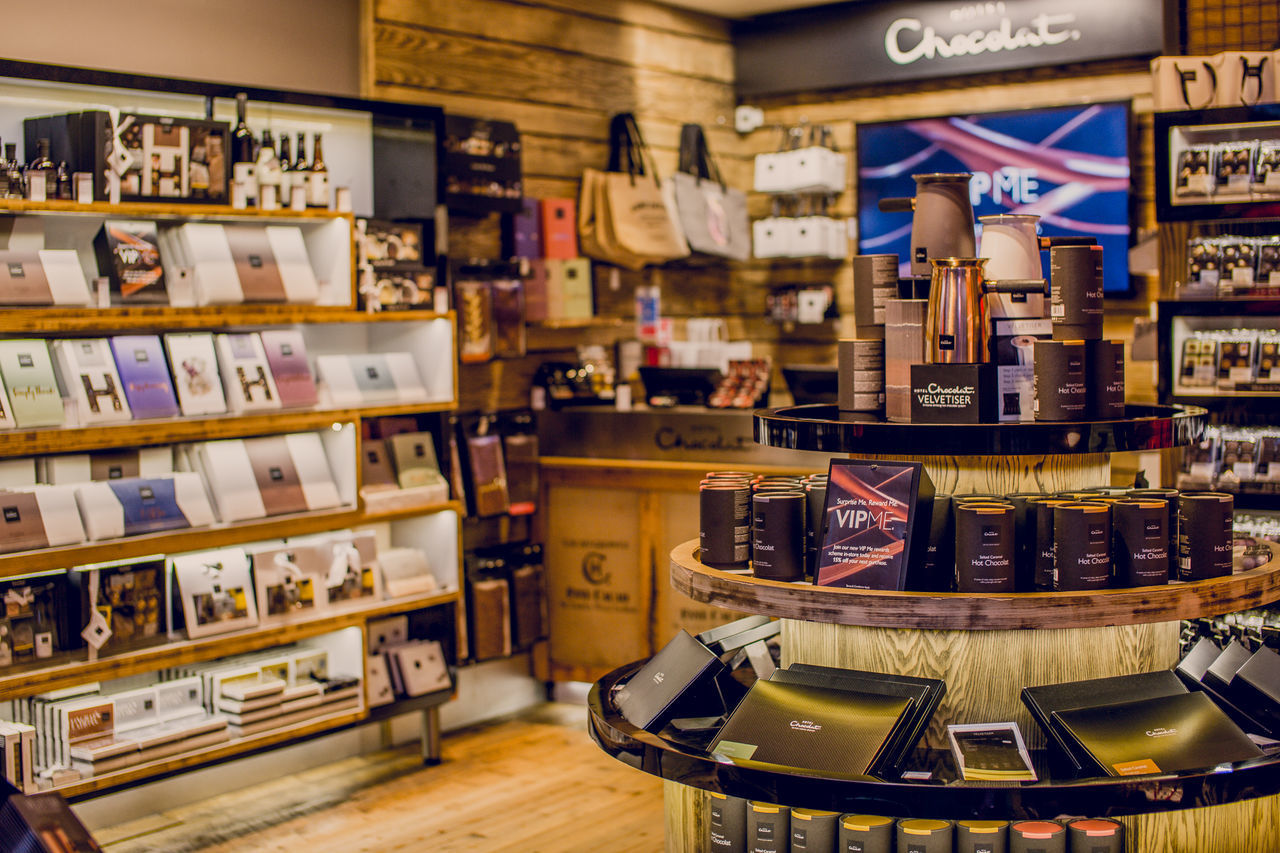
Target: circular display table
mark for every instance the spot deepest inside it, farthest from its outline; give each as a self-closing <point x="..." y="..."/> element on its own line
<point x="985" y="647"/>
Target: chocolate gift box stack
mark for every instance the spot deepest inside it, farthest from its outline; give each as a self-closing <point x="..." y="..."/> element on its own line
<point x="987" y="345"/>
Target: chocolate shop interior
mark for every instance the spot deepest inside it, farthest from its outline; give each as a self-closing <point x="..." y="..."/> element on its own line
<point x="859" y="415"/>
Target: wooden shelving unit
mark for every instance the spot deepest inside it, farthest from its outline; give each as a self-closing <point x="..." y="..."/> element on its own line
<point x="52" y="321"/>
<point x="164" y="209"/>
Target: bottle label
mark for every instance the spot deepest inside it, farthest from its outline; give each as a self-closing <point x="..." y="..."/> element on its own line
<point x="36" y="189"/>
<point x="246" y="174"/>
<point x="318" y="189"/>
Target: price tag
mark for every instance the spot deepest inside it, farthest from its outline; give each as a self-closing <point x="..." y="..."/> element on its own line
<point x="1238" y="183"/>
<point x="1210" y="277"/>
<point x="267" y="197"/>
<point x="1240" y="374"/>
<point x="1272" y="181"/>
<point x="1200" y="185"/>
<point x="239" y="196"/>
<point x="342" y="199"/>
<point x="84" y="187"/>
<point x="1242" y="275"/>
<point x="298" y="198"/>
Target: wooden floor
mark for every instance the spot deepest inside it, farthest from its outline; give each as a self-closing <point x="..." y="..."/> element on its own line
<point x="536" y="784"/>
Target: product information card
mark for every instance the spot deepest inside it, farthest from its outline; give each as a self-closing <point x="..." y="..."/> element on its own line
<point x="869" y="519"/>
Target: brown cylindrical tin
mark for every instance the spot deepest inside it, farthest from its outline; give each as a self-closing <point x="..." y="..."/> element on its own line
<point x="1205" y="528"/>
<point x="813" y="830"/>
<point x="1024" y="539"/>
<point x="1041" y="510"/>
<point x="1037" y="836"/>
<point x="866" y="833"/>
<point x="1060" y="381"/>
<point x="920" y="835"/>
<point x="1075" y="292"/>
<point x="1081" y="546"/>
<point x="1171" y="496"/>
<point x="768" y="828"/>
<point x="1140" y="541"/>
<point x="1095" y="835"/>
<point x="778" y="535"/>
<point x="724" y="522"/>
<point x="815" y="514"/>
<point x="984" y="547"/>
<point x="982" y="836"/>
<point x="1104" y="364"/>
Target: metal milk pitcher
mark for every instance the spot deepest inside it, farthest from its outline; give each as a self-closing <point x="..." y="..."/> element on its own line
<point x="955" y="326"/>
<point x="942" y="221"/>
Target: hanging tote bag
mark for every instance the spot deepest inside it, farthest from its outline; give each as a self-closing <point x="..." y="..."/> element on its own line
<point x="713" y="216"/>
<point x="624" y="217"/>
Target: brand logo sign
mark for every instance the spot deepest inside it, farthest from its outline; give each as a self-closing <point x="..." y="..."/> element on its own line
<point x="593" y="570"/>
<point x="854" y="44"/>
<point x="805" y="726"/>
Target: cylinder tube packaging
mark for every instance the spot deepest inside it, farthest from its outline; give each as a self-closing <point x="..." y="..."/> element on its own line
<point x="1140" y="541"/>
<point x="1075" y="292"/>
<point x="1205" y="527"/>
<point x="724" y="521"/>
<point x="1060" y="390"/>
<point x="778" y="535"/>
<point x="1081" y="546"/>
<point x="982" y="836"/>
<point x="984" y="547"/>
<point x="866" y="833"/>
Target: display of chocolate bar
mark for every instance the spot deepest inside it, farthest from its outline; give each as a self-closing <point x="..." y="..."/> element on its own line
<point x="488" y="474"/>
<point x="414" y="454"/>
<point x="246" y="375"/>
<point x="125" y="600"/>
<point x="230" y="475"/>
<point x="475" y="320"/>
<point x="74" y="468"/>
<point x="6" y="413"/>
<point x="390" y="244"/>
<point x="206" y="250"/>
<point x="137" y="505"/>
<point x="377" y="682"/>
<point x="194" y="365"/>
<point x="19" y="473"/>
<point x="42" y="277"/>
<point x="145" y="374"/>
<point x="290" y="580"/>
<point x="287" y="356"/>
<point x="376" y="472"/>
<point x="128" y="255"/>
<point x="293" y="263"/>
<point x="406" y="571"/>
<point x="31" y="384"/>
<point x="255" y="263"/>
<point x="36" y="612"/>
<point x="39" y="517"/>
<point x="354" y="380"/>
<point x="88" y="373"/>
<point x="216" y="591"/>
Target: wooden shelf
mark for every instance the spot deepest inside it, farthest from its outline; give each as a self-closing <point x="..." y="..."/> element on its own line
<point x="163" y="209"/>
<point x="956" y="611"/>
<point x="227" y="749"/>
<point x="52" y="321"/>
<point x="406" y="507"/>
<point x="165" y="653"/>
<point x="34" y="442"/>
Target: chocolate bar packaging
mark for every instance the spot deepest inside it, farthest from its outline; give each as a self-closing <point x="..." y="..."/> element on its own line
<point x="194" y="365"/>
<point x="32" y="386"/>
<point x="144" y="371"/>
<point x="89" y="375"/>
<point x="246" y="374"/>
<point x="287" y="356"/>
<point x="128" y="254"/>
<point x="216" y="591"/>
<point x="136" y="505"/>
<point x="488" y="475"/>
<point x="128" y="599"/>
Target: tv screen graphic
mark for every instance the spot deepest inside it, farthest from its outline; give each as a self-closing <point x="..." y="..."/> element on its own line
<point x="1069" y="165"/>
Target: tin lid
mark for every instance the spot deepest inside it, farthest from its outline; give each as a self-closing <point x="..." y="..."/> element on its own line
<point x="923" y="826"/>
<point x="1097" y="827"/>
<point x="810" y="814"/>
<point x="1038" y="828"/>
<point x="864" y="822"/>
<point x="983" y="827"/>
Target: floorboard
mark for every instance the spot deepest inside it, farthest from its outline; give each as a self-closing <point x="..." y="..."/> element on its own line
<point x="533" y="784"/>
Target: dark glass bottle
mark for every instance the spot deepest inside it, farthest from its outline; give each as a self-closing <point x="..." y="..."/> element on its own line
<point x="41" y="167"/>
<point x="318" y="177"/>
<point x="16" y="186"/>
<point x="244" y="164"/>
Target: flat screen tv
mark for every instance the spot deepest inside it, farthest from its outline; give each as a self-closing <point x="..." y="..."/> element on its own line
<point x="1070" y="165"/>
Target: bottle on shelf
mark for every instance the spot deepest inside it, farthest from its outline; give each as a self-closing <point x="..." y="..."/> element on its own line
<point x="244" y="164"/>
<point x="15" y="185"/>
<point x="268" y="167"/>
<point x="286" y="170"/>
<point x="41" y="175"/>
<point x="318" y="177"/>
<point x="64" y="181"/>
<point x="4" y="174"/>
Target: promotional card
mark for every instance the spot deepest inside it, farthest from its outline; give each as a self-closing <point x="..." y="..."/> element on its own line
<point x="871" y="523"/>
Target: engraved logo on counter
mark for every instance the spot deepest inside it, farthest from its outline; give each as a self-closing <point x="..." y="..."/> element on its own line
<point x="805" y="726"/>
<point x="700" y="438"/>
<point x="1161" y="731"/>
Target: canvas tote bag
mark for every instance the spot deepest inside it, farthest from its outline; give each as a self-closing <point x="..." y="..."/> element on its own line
<point x="713" y="216"/>
<point x="624" y="218"/>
